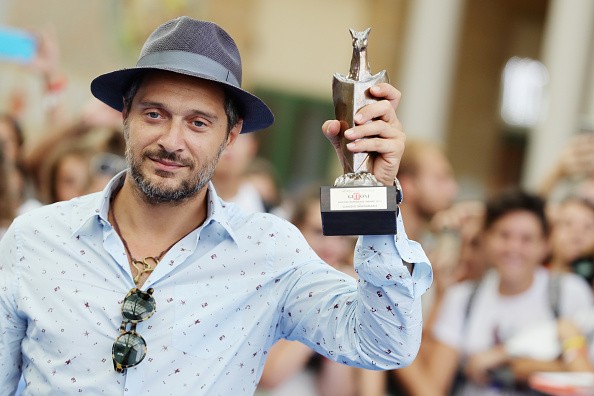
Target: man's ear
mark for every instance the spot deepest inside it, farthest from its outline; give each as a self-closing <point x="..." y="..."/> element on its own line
<point x="235" y="131"/>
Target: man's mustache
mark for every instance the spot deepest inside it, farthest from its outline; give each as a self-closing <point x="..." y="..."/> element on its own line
<point x="165" y="155"/>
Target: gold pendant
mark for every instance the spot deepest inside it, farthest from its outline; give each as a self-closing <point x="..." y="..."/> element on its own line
<point x="144" y="266"/>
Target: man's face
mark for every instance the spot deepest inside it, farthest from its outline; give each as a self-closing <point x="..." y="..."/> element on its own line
<point x="175" y="131"/>
<point x="516" y="245"/>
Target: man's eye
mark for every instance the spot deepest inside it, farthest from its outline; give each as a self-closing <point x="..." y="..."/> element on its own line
<point x="199" y="123"/>
<point x="153" y="114"/>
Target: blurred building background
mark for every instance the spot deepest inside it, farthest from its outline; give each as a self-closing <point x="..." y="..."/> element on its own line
<point x="500" y="84"/>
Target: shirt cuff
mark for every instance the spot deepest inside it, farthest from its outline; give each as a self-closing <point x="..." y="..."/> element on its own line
<point x="380" y="259"/>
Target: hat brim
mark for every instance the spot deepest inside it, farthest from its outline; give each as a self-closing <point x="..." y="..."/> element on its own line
<point x="110" y="88"/>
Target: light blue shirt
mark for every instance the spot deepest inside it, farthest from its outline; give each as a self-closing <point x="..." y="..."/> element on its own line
<point x="224" y="295"/>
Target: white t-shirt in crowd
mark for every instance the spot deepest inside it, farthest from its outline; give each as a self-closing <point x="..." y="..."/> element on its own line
<point x="494" y="318"/>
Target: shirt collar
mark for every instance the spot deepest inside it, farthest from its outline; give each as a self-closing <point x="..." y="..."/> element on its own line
<point x="95" y="208"/>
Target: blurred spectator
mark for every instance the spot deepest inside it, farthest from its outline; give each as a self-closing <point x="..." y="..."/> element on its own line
<point x="8" y="194"/>
<point x="229" y="177"/>
<point x="430" y="189"/>
<point x="458" y="253"/>
<point x="97" y="124"/>
<point x="428" y="183"/>
<point x="262" y="175"/>
<point x="457" y="243"/>
<point x="12" y="138"/>
<point x="47" y="65"/>
<point x="95" y="113"/>
<point x="574" y="165"/>
<point x="59" y="126"/>
<point x="470" y="352"/>
<point x="576" y="337"/>
<point x="28" y="198"/>
<point x="103" y="166"/>
<point x="572" y="237"/>
<point x="569" y="187"/>
<point x="96" y="137"/>
<point x="291" y="367"/>
<point x="76" y="169"/>
<point x="68" y="173"/>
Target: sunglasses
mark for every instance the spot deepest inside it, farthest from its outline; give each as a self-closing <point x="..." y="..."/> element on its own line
<point x="129" y="349"/>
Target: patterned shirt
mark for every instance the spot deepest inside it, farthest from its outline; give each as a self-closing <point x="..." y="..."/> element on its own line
<point x="224" y="294"/>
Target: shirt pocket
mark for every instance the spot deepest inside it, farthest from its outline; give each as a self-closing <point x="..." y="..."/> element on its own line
<point x="207" y="324"/>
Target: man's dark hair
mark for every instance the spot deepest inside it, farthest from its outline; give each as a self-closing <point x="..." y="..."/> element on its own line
<point x="516" y="200"/>
<point x="232" y="109"/>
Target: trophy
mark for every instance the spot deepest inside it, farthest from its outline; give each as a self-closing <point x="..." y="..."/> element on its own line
<point x="357" y="204"/>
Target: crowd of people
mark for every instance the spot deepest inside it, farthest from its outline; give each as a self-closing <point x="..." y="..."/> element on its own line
<point x="512" y="294"/>
<point x="513" y="274"/>
<point x="73" y="155"/>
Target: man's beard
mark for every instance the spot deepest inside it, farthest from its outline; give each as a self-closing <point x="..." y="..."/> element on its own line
<point x="156" y="193"/>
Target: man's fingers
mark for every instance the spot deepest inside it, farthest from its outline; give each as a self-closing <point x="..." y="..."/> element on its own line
<point x="331" y="128"/>
<point x="384" y="109"/>
<point x="380" y="110"/>
<point x="387" y="92"/>
<point x="375" y="145"/>
<point x="377" y="128"/>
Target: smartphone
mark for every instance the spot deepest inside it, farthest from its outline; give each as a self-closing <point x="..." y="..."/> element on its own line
<point x="17" y="45"/>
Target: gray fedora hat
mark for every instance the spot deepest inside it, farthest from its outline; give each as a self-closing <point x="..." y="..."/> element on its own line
<point x="194" y="48"/>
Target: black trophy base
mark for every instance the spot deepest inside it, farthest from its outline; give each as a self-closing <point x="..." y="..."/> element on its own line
<point x="359" y="210"/>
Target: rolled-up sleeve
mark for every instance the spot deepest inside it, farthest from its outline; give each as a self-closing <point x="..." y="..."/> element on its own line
<point x="389" y="309"/>
<point x="374" y="322"/>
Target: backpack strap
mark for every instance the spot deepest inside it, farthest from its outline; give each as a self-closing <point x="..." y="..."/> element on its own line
<point x="470" y="301"/>
<point x="555" y="292"/>
<point x="460" y="379"/>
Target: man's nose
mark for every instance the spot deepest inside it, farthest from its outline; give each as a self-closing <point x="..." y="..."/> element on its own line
<point x="173" y="137"/>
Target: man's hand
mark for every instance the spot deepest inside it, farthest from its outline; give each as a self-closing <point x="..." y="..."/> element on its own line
<point x="377" y="122"/>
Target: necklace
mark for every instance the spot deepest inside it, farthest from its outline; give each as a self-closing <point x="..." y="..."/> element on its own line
<point x="146" y="264"/>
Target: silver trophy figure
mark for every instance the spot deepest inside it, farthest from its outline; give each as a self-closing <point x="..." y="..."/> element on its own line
<point x="350" y="93"/>
<point x="357" y="203"/>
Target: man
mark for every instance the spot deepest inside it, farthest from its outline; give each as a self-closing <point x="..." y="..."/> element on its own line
<point x="198" y="289"/>
<point x="426" y="175"/>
